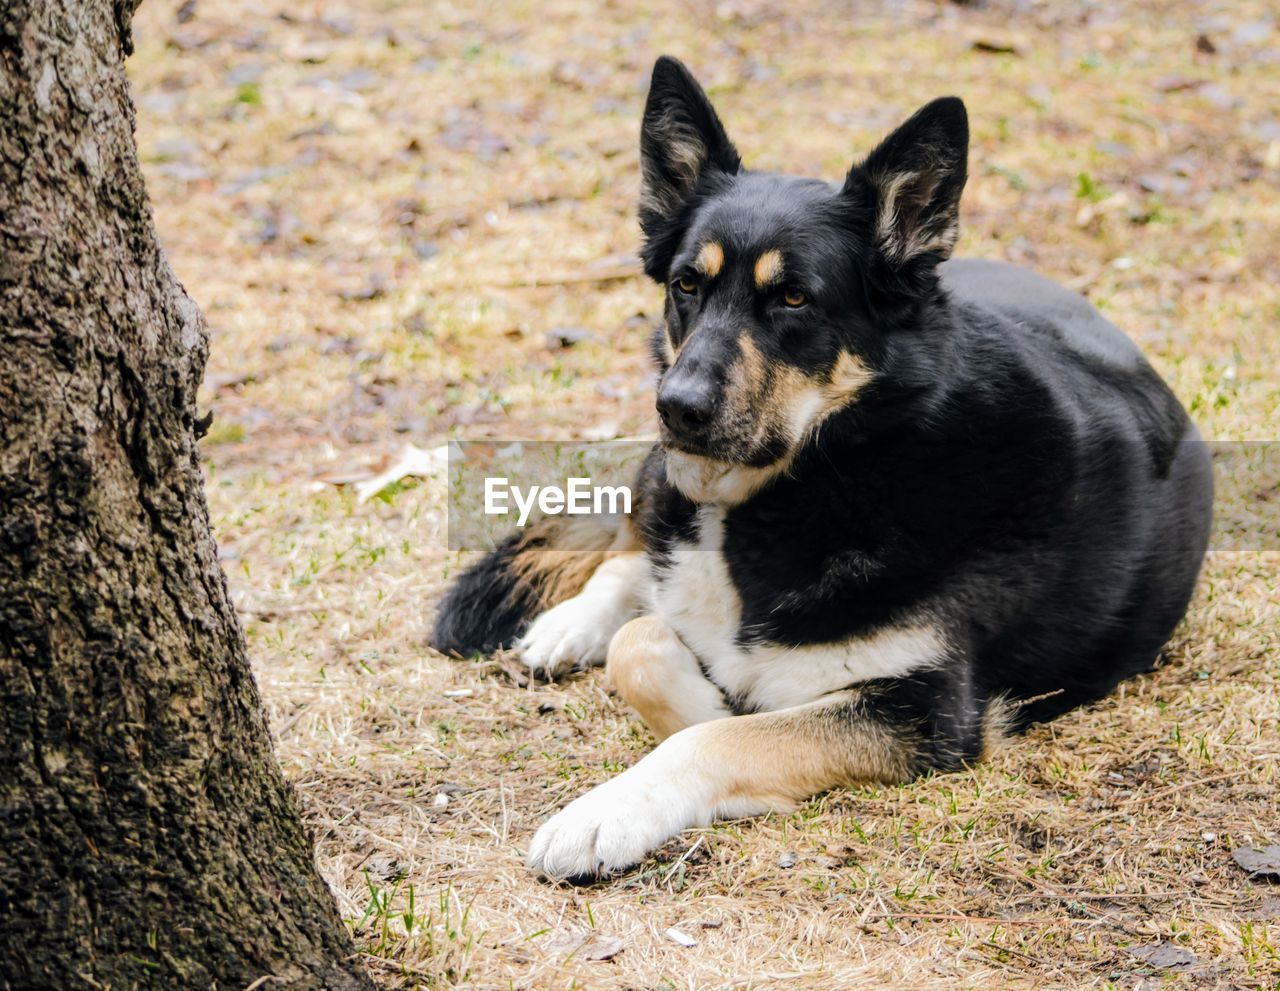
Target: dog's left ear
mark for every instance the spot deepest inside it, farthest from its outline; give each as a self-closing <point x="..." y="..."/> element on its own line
<point x="912" y="184"/>
<point x="682" y="143"/>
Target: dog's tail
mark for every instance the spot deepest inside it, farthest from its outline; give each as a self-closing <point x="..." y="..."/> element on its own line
<point x="491" y="603"/>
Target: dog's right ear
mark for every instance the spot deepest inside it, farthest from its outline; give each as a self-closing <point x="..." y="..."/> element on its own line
<point x="682" y="142"/>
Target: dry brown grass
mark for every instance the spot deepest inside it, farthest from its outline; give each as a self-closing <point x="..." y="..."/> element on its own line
<point x="306" y="158"/>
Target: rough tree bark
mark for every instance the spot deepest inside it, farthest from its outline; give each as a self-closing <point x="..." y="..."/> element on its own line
<point x="147" y="836"/>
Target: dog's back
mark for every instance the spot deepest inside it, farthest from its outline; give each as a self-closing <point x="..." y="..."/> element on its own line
<point x="1141" y="493"/>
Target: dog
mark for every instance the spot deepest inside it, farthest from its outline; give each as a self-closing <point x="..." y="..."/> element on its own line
<point x="900" y="507"/>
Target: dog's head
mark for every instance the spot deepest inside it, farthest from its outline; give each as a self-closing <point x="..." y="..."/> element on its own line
<point x="789" y="300"/>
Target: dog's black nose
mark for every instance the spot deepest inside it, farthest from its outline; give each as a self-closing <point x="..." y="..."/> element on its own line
<point x="686" y="407"/>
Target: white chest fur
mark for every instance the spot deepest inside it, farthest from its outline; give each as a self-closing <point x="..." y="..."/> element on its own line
<point x="697" y="598"/>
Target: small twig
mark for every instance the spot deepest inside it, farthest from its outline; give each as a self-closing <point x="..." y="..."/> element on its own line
<point x="1164" y="792"/>
<point x="1009" y="949"/>
<point x="1102" y="897"/>
<point x="769" y="976"/>
<point x="1072" y="902"/>
<point x="975" y="919"/>
<point x="1023" y="703"/>
<point x="267" y="613"/>
<point x="683" y="857"/>
<point x="568" y="279"/>
<point x="288" y="724"/>
<point x="395" y="966"/>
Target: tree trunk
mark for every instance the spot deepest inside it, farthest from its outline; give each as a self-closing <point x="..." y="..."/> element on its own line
<point x="147" y="836"/>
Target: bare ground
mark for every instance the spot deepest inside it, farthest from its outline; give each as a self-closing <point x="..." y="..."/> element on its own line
<point x="386" y="209"/>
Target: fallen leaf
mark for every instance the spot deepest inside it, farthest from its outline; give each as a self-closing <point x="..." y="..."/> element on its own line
<point x="412" y="461"/>
<point x="585" y="945"/>
<point x="601" y="947"/>
<point x="1166" y="956"/>
<point x="1259" y="861"/>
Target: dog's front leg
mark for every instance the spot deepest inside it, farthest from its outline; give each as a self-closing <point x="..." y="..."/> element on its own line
<point x="726" y="768"/>
<point x="657" y="675"/>
<point x="578" y="630"/>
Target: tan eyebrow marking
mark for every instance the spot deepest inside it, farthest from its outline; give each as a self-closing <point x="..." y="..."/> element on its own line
<point x="768" y="268"/>
<point x="710" y="259"/>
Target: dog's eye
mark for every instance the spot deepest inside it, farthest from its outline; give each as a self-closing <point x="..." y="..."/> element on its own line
<point x="686" y="285"/>
<point x="793" y="297"/>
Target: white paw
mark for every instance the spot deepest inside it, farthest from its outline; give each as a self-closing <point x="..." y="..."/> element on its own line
<point x="612" y="827"/>
<point x="575" y="633"/>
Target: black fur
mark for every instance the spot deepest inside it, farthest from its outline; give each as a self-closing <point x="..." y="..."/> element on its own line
<point x="1051" y="510"/>
<point x="490" y="605"/>
<point x="487" y="607"/>
<point x="1013" y="469"/>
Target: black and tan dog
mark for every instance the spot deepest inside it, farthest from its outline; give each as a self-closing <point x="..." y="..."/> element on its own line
<point x="894" y="497"/>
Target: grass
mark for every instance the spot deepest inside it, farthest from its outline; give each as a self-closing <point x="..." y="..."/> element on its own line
<point x="385" y="209"/>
